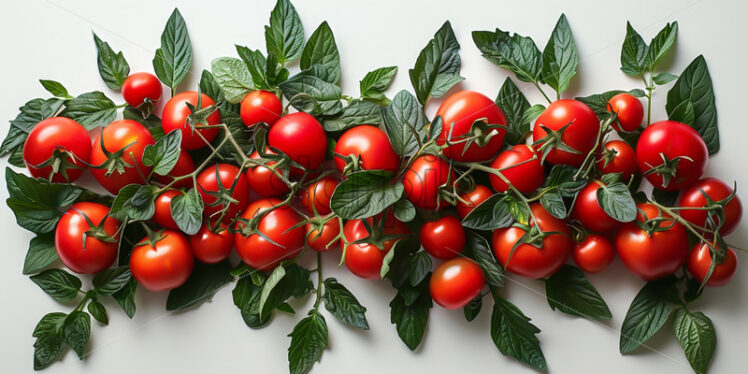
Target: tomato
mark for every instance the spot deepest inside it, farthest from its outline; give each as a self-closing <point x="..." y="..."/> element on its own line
<point x="117" y="136"/>
<point x="211" y="247"/>
<point x="372" y="147"/>
<point x="456" y="282"/>
<point x="525" y="174"/>
<point x="472" y="199"/>
<point x="302" y="138"/>
<point x="527" y="259"/>
<point x="581" y="134"/>
<point x="57" y="134"/>
<point x="423" y="179"/>
<point x="652" y="256"/>
<point x="594" y="253"/>
<point x="629" y="110"/>
<point x="365" y="259"/>
<point x="324" y="241"/>
<point x="259" y="252"/>
<point x="95" y="254"/>
<point x="184" y="166"/>
<point x="176" y="115"/>
<point x="162" y="215"/>
<point x="262" y="180"/>
<point x="319" y="194"/>
<point x="139" y="87"/>
<point x="260" y="106"/>
<point x="700" y="259"/>
<point x="207" y="184"/>
<point x="671" y="140"/>
<point x="717" y="191"/>
<point x="443" y="238"/>
<point x="459" y="111"/>
<point x="589" y="212"/>
<point x="618" y="157"/>
<point x="164" y="265"/>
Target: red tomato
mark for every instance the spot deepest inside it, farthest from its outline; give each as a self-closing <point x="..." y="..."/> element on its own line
<point x="459" y="111"/>
<point x="443" y="238"/>
<point x="629" y="110"/>
<point x="56" y="134"/>
<point x="259" y="252"/>
<point x="95" y="254"/>
<point x="139" y="87"/>
<point x="456" y="282"/>
<point x="652" y="256"/>
<point x="184" y="166"/>
<point x="364" y="259"/>
<point x="164" y="265"/>
<point x="162" y="215"/>
<point x="263" y="181"/>
<point x="176" y="114"/>
<point x="472" y="199"/>
<point x="371" y="145"/>
<point x="525" y="175"/>
<point x="717" y="191"/>
<point x="302" y="138"/>
<point x="593" y="254"/>
<point x="580" y="135"/>
<point x="212" y="247"/>
<point x="119" y="135"/>
<point x="528" y="260"/>
<point x="700" y="259"/>
<point x="207" y="183"/>
<point x="671" y="139"/>
<point x="589" y="212"/>
<point x="324" y="241"/>
<point x="260" y="106"/>
<point x="319" y="194"/>
<point x="618" y="157"/>
<point x="423" y="179"/>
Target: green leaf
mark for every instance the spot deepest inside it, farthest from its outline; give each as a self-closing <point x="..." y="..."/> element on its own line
<point x="321" y="50"/>
<point x="76" y="330"/>
<point x="661" y="45"/>
<point x="173" y="60"/>
<point x="616" y="201"/>
<point x="405" y="124"/>
<point x="308" y="340"/>
<point x="633" y="52"/>
<point x="560" y="57"/>
<point x="210" y="87"/>
<point x="257" y="66"/>
<point x="364" y="194"/>
<point x="126" y="297"/>
<point x="55" y="88"/>
<point x="532" y="113"/>
<point x="110" y="281"/>
<point x="514" y="104"/>
<point x="152" y="122"/>
<point x="491" y="214"/>
<point x="285" y="35"/>
<point x="311" y="83"/>
<point x="139" y="206"/>
<point x="91" y="109"/>
<point x="246" y="296"/>
<point x="59" y="284"/>
<point x="483" y="255"/>
<point x="664" y="78"/>
<point x="515" y="52"/>
<point x="569" y="291"/>
<point x="376" y="82"/>
<point x="514" y="335"/>
<point x="554" y="204"/>
<point x="35" y="202"/>
<point x="404" y="210"/>
<point x="283" y="283"/>
<point x="357" y="113"/>
<point x="473" y="308"/>
<point x="667" y="198"/>
<point x="411" y="319"/>
<point x="187" y="212"/>
<point x="648" y="312"/>
<point x="113" y="67"/>
<point x="204" y="281"/>
<point x="233" y="77"/>
<point x="343" y="305"/>
<point x="419" y="267"/>
<point x="41" y="253"/>
<point x="98" y="312"/>
<point x="49" y="344"/>
<point x="695" y="332"/>
<point x="163" y="155"/>
<point x="437" y="68"/>
<point x="51" y="107"/>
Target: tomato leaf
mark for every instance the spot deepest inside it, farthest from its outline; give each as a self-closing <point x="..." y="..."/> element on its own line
<point x="375" y="82"/>
<point x="356" y="113"/>
<point x="98" y="312"/>
<point x="514" y="335"/>
<point x="633" y="52"/>
<point x="111" y="280"/>
<point x="599" y="102"/>
<point x="405" y="124"/>
<point x="514" y="104"/>
<point x="210" y="87"/>
<point x="232" y="75"/>
<point x="283" y="283"/>
<point x="35" y="202"/>
<point x="55" y="88"/>
<point x="125" y="297"/>
<point x="343" y="305"/>
<point x="152" y="122"/>
<point x="311" y="85"/>
<point x="569" y="291"/>
<point x="246" y="296"/>
<point x="30" y="114"/>
<point x="554" y="204"/>
<point x="411" y="319"/>
<point x="256" y="65"/>
<point x="404" y="210"/>
<point x="187" y="212"/>
<point x="163" y="155"/>
<point x="76" y="330"/>
<point x="49" y="344"/>
<point x="91" y="109"/>
<point x="113" y="67"/>
<point x="491" y="214"/>
<point x="560" y="57"/>
<point x="205" y="280"/>
<point x="308" y="340"/>
<point x="473" y="308"/>
<point x="648" y="312"/>
<point x="515" y="52"/>
<point x="364" y="194"/>
<point x="173" y="60"/>
<point x="437" y="68"/>
<point x="321" y="50"/>
<point x="616" y="201"/>
<point x="661" y="45"/>
<point x="285" y="35"/>
<point x="696" y="334"/>
<point x="483" y="256"/>
<point x="664" y="78"/>
<point x="41" y="253"/>
<point x="137" y="202"/>
<point x="59" y="284"/>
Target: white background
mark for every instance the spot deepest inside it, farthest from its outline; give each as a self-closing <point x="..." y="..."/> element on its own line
<point x="52" y="40"/>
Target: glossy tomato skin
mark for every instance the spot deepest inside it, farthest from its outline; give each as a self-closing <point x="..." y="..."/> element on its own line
<point x="623" y="160"/>
<point x="525" y="173"/>
<point x="324" y="241"/>
<point x="717" y="191"/>
<point x="700" y="259"/>
<point x="593" y="254"/>
<point x="212" y="247"/>
<point x="456" y="282"/>
<point x="176" y="113"/>
<point x="184" y="166"/>
<point x="317" y="195"/>
<point x="162" y="215"/>
<point x="260" y="106"/>
<point x="580" y="135"/>
<point x="364" y="259"/>
<point x="629" y="110"/>
<point x="530" y="261"/>
<point x="165" y="265"/>
<point x="302" y="138"/>
<point x="118" y="135"/>
<point x="262" y="180"/>
<point x="371" y="145"/>
<point x="97" y="255"/>
<point x="258" y="252"/>
<point x="672" y="139"/>
<point x="208" y="182"/>
<point x="472" y="199"/>
<point x="458" y="113"/>
<point x="51" y="134"/>
<point x="656" y="256"/>
<point x="422" y="181"/>
<point x="141" y="86"/>
<point x="589" y="212"/>
<point x="443" y="238"/>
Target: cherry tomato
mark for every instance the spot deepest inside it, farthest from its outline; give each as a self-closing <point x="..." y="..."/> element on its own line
<point x="262" y="180"/>
<point x="456" y="282"/>
<point x="324" y="241"/>
<point x="372" y="147"/>
<point x="96" y="254"/>
<point x="117" y="136"/>
<point x="164" y="265"/>
<point x="184" y="166"/>
<point x="618" y="157"/>
<point x="139" y="87"/>
<point x="527" y="259"/>
<point x="588" y="210"/>
<point x="56" y="134"/>
<point x="671" y="140"/>
<point x="594" y="253"/>
<point x="423" y="179"/>
<point x="319" y="194"/>
<point x="302" y="138"/>
<point x="279" y="242"/>
<point x="260" y="106"/>
<point x="443" y="238"/>
<point x="365" y="259"/>
<point x="629" y="110"/>
<point x="518" y="166"/>
<point x="459" y="111"/>
<point x="212" y="247"/>
<point x="717" y="191"/>
<point x="207" y="182"/>
<point x="472" y="199"/>
<point x="162" y="215"/>
<point x="700" y="259"/>
<point x="652" y="256"/>
<point x="176" y="115"/>
<point x="580" y="135"/>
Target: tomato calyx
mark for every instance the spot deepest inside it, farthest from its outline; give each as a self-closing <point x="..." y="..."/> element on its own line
<point x="199" y="117"/>
<point x="60" y="163"/>
<point x="95" y="231"/>
<point x="248" y="227"/>
<point x="553" y="140"/>
<point x="651" y="225"/>
<point x="481" y="132"/>
<point x="114" y="161"/>
<point x="145" y="108"/>
<point x="377" y="237"/>
<point x="533" y="236"/>
<point x="224" y="196"/>
<point x="715" y="210"/>
<point x="352" y="163"/>
<point x="667" y="169"/>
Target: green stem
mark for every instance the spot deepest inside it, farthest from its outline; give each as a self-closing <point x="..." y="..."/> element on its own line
<point x="83" y="302"/>
<point x="543" y="92"/>
<point x="681" y="220"/>
<point x="319" y="282"/>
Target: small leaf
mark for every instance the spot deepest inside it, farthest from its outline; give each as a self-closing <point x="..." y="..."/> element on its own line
<point x="616" y="201"/>
<point x="111" y="280"/>
<point x="91" y="109"/>
<point x="113" y="67"/>
<point x="283" y="283"/>
<point x="695" y="332"/>
<point x="357" y="113"/>
<point x="560" y="57"/>
<point x="36" y="202"/>
<point x="404" y="210"/>
<point x="648" y="312"/>
<point x="364" y="194"/>
<point x="343" y="305"/>
<point x="473" y="308"/>
<point x="514" y="335"/>
<point x="517" y="53"/>
<point x="49" y="344"/>
<point x="98" y="312"/>
<point x="173" y="60"/>
<point x="405" y="123"/>
<point x="308" y="340"/>
<point x="59" y="284"/>
<point x="437" y="68"/>
<point x="41" y="253"/>
<point x="285" y="35"/>
<point x="187" y="212"/>
<point x="483" y="255"/>
<point x="411" y="320"/>
<point x="321" y="50"/>
<point x="491" y="214"/>
<point x="554" y="204"/>
<point x="514" y="104"/>
<point x="376" y="82"/>
<point x="664" y="78"/>
<point x="247" y="297"/>
<point x="633" y="52"/>
<point x="126" y="297"/>
<point x="311" y="82"/>
<point x="232" y="75"/>
<point x="660" y="45"/>
<point x="76" y="331"/>
<point x="204" y="281"/>
<point x="55" y="88"/>
<point x="569" y="291"/>
<point x="532" y="113"/>
<point x="163" y="155"/>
